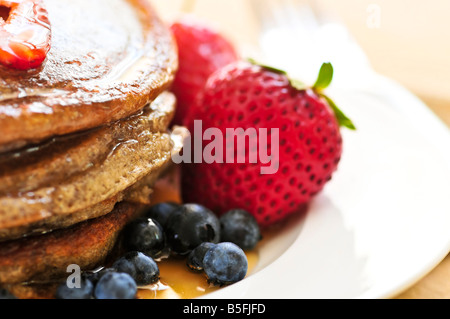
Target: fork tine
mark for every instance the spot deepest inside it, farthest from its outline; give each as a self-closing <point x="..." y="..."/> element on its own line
<point x="300" y="15"/>
<point x="287" y="37"/>
<point x="293" y="16"/>
<point x="264" y="12"/>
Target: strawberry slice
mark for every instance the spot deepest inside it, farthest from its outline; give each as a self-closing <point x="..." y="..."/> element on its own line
<point x="24" y="34"/>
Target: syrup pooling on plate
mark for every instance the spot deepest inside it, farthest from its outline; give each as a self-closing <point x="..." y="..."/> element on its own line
<point x="179" y="282"/>
<point x="25" y="34"/>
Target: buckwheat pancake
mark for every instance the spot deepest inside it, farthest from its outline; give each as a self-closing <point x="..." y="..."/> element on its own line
<point x="33" y="267"/>
<point x="44" y="258"/>
<point x="83" y="139"/>
<point x="73" y="178"/>
<point x="108" y="59"/>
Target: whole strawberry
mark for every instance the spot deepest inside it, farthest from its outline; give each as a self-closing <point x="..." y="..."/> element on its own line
<point x="201" y="52"/>
<point x="303" y="134"/>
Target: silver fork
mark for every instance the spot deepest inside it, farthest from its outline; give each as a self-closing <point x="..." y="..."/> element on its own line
<point x="298" y="37"/>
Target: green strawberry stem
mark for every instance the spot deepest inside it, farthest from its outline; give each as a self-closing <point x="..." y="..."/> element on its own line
<point x="342" y="119"/>
<point x="325" y="77"/>
<point x="323" y="81"/>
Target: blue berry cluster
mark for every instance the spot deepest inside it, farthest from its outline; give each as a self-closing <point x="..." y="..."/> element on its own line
<point x="210" y="244"/>
<point x="225" y="262"/>
<point x="120" y="281"/>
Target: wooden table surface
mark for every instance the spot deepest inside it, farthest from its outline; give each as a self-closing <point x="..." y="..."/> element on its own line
<point x="406" y="41"/>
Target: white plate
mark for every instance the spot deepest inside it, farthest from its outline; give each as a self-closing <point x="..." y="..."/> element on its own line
<point x="381" y="224"/>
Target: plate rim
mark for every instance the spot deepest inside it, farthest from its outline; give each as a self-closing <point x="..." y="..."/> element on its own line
<point x="417" y="110"/>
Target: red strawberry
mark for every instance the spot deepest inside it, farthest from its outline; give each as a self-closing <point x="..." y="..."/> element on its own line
<point x="24" y="34"/>
<point x="202" y="51"/>
<point x="245" y="95"/>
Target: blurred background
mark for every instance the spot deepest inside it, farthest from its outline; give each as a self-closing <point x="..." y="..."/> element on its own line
<point x="407" y="41"/>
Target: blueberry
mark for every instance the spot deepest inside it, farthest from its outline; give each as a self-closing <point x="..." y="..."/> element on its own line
<point x="240" y="227"/>
<point x="5" y="294"/>
<point x="224" y="264"/>
<point x="85" y="291"/>
<point x="145" y="235"/>
<point x="195" y="258"/>
<point x="94" y="276"/>
<point x="191" y="225"/>
<point x="161" y="212"/>
<point x="141" y="268"/>
<point x="115" y="285"/>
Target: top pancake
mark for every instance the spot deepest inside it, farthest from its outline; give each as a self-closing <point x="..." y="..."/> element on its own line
<point x="108" y="59"/>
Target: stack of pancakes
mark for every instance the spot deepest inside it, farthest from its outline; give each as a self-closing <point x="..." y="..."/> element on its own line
<point x="84" y="138"/>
